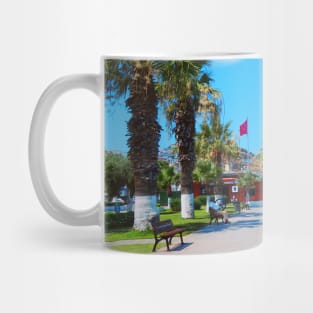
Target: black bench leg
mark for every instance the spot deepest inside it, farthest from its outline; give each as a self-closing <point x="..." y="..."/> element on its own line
<point x="181" y="238"/>
<point x="155" y="244"/>
<point x="167" y="244"/>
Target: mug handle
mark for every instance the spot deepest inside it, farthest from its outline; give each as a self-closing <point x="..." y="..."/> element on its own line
<point x="45" y="194"/>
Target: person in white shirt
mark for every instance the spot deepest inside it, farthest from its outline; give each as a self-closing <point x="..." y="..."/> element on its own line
<point x="216" y="207"/>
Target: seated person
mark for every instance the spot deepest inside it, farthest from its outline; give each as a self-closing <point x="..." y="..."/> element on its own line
<point x="220" y="203"/>
<point x="216" y="207"/>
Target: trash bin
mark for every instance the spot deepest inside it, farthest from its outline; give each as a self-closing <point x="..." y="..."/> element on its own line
<point x="237" y="205"/>
<point x="117" y="208"/>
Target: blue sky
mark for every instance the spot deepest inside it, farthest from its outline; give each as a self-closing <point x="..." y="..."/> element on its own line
<point x="240" y="82"/>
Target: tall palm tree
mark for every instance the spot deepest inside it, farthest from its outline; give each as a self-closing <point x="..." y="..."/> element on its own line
<point x="143" y="130"/>
<point x="179" y="93"/>
<point x="167" y="176"/>
<point x="210" y="98"/>
<point x="247" y="181"/>
<point x="214" y="144"/>
<point x="223" y="146"/>
<point x="206" y="172"/>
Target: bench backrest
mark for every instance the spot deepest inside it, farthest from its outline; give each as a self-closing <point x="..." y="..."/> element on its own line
<point x="161" y="227"/>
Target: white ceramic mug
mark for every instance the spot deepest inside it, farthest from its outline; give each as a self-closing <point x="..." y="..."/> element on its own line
<point x="182" y="149"/>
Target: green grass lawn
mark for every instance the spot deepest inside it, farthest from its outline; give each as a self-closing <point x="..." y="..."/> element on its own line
<point x="137" y="248"/>
<point x="201" y="219"/>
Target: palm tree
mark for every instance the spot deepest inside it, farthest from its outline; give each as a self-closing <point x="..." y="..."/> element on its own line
<point x="179" y="93"/>
<point x="214" y="143"/>
<point x="143" y="130"/>
<point x="247" y="181"/>
<point x="210" y="98"/>
<point x="204" y="142"/>
<point x="167" y="176"/>
<point x="206" y="172"/>
<point x="224" y="146"/>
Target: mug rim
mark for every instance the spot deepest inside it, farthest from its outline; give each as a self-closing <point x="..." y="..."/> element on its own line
<point x="186" y="56"/>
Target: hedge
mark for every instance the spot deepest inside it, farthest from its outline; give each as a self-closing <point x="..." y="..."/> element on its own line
<point x="175" y="204"/>
<point x="197" y="203"/>
<point x="119" y="220"/>
<point x="201" y="199"/>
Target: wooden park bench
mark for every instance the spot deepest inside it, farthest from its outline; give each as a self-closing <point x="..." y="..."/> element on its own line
<point x="215" y="215"/>
<point x="165" y="230"/>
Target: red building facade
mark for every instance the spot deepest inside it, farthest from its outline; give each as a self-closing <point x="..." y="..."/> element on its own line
<point x="230" y="189"/>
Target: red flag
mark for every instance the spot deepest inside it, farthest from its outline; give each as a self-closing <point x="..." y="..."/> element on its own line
<point x="244" y="128"/>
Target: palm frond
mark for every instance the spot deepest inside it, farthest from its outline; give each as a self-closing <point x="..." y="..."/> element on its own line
<point x="118" y="75"/>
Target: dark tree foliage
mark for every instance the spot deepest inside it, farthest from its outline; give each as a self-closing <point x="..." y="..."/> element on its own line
<point x="117" y="174"/>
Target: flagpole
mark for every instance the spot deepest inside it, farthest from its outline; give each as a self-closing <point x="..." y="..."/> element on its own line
<point x="240" y="155"/>
<point x="248" y="146"/>
<point x="244" y="131"/>
<point x="248" y="193"/>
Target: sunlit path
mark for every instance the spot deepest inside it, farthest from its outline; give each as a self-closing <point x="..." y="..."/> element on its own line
<point x="245" y="231"/>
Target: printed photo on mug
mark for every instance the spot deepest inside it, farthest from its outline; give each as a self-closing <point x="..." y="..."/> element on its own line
<point x="183" y="154"/>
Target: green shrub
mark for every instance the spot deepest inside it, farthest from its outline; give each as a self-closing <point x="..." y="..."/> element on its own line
<point x="175" y="204"/>
<point x="175" y="194"/>
<point x="197" y="203"/>
<point x="110" y="203"/>
<point x="202" y="199"/>
<point x="119" y="220"/>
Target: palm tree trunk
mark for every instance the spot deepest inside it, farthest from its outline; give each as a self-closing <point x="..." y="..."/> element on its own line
<point x="247" y="195"/>
<point x="143" y="142"/>
<point x="187" y="205"/>
<point x="184" y="133"/>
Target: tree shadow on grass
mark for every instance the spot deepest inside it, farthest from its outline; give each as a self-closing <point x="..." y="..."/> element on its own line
<point x="250" y="214"/>
<point x="168" y="212"/>
<point x="192" y="227"/>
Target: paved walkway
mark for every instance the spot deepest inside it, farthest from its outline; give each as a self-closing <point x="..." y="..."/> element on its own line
<point x="244" y="231"/>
